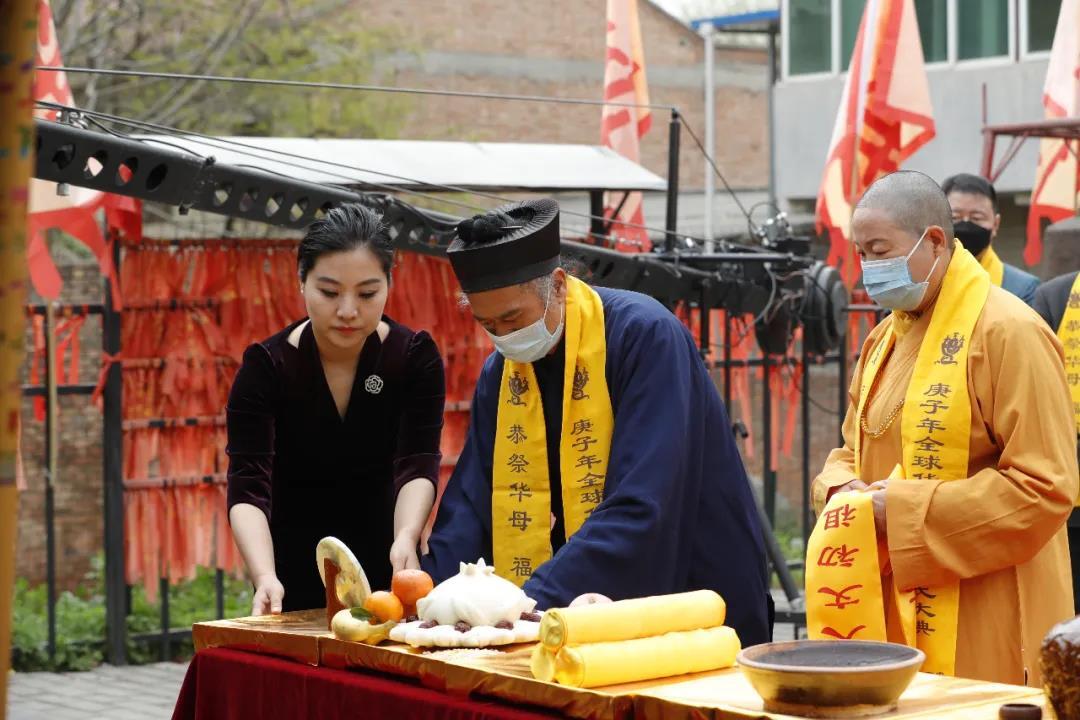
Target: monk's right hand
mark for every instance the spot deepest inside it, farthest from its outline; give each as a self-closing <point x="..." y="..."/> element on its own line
<point x="268" y="595"/>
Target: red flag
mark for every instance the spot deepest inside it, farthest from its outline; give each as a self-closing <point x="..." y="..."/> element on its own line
<point x="884" y="117"/>
<point x="73" y="213"/>
<point x="1057" y="180"/>
<point x="622" y="127"/>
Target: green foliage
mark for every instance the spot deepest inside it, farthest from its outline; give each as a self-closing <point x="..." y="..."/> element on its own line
<point x="789" y="537"/>
<point x="79" y="623"/>
<point x="80" y="620"/>
<point x="308" y="40"/>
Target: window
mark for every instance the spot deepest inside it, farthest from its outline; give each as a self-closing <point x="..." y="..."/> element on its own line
<point x="933" y="17"/>
<point x="809" y="38"/>
<point x="851" y="12"/>
<point x="1042" y="17"/>
<point x="820" y="35"/>
<point x="982" y="29"/>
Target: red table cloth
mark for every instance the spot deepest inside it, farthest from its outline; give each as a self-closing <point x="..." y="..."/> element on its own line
<point x="233" y="685"/>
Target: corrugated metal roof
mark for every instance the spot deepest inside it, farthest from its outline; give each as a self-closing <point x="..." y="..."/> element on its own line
<point x="431" y="165"/>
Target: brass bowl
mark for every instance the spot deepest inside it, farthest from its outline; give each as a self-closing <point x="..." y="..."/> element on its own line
<point x="830" y="678"/>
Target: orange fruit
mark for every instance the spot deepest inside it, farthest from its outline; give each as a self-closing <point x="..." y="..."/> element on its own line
<point x="384" y="606"/>
<point x="410" y="586"/>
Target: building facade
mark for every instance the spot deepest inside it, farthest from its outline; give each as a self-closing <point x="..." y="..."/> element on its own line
<point x="971" y="47"/>
<point x="490" y="46"/>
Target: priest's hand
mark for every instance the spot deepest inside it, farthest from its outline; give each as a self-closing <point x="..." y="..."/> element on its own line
<point x="268" y="595"/>
<point x="877" y="494"/>
<point x="403" y="551"/>
<point x="590" y="599"/>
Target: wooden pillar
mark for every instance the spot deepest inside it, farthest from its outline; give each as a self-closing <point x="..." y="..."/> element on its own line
<point x="18" y="34"/>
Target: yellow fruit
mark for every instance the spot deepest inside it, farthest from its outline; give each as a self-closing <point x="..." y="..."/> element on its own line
<point x="384" y="606"/>
<point x="346" y="626"/>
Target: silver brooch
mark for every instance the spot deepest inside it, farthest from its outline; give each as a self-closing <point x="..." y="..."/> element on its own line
<point x="373" y="384"/>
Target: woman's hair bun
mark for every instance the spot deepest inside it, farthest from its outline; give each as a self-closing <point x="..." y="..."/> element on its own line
<point x="485" y="228"/>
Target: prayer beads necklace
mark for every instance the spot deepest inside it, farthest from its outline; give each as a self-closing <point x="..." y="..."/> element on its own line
<point x="875" y="434"/>
<point x="893" y="414"/>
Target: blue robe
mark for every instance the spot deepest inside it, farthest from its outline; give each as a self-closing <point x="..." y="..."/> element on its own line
<point x="678" y="512"/>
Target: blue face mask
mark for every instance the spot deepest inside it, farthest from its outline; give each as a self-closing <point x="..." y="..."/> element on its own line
<point x="890" y="284"/>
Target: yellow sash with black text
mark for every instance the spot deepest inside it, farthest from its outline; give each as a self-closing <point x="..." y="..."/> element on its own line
<point x="521" y="489"/>
<point x="992" y="264"/>
<point x="1069" y="334"/>
<point x="843" y="567"/>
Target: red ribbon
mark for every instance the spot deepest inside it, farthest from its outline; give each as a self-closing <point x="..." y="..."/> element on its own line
<point x="107" y="361"/>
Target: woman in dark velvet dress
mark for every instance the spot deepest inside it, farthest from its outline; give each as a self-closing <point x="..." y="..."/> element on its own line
<point x="334" y="424"/>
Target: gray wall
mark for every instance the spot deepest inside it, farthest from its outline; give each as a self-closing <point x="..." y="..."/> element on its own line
<point x="806" y="111"/>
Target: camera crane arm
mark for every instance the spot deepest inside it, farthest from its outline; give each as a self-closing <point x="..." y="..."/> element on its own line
<point x="742" y="280"/>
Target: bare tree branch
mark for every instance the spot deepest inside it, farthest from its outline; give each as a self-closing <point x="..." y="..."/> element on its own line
<point x="303" y="17"/>
<point x="293" y="38"/>
<point x="167" y="106"/>
<point x="61" y="10"/>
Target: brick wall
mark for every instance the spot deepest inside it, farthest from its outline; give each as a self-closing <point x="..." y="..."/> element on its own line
<point x="78" y="494"/>
<point x="492" y="46"/>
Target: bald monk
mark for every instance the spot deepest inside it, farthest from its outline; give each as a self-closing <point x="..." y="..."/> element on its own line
<point x="960" y="428"/>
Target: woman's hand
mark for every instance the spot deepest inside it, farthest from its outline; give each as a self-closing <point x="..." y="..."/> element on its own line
<point x="269" y="593"/>
<point x="251" y="530"/>
<point x="403" y="551"/>
<point x="411" y="512"/>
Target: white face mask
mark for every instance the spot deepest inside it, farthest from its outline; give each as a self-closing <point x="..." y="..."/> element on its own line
<point x="530" y="343"/>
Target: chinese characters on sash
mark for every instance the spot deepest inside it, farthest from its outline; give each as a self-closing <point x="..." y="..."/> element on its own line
<point x="927" y="458"/>
<point x="588" y="469"/>
<point x="1069" y="334"/>
<point x="1068" y="331"/>
<point x="842" y="581"/>
<point x="519" y="519"/>
<point x="924" y="610"/>
<point x="521" y="495"/>
<point x="927" y="462"/>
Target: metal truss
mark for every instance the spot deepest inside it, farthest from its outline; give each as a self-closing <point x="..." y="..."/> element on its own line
<point x="161" y="173"/>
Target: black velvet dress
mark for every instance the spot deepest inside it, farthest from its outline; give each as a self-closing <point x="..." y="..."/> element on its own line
<point x="315" y="474"/>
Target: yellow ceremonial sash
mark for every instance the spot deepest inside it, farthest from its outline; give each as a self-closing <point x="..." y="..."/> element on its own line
<point x="843" y="577"/>
<point x="992" y="264"/>
<point x="521" y="489"/>
<point x="843" y="584"/>
<point x="1069" y="334"/>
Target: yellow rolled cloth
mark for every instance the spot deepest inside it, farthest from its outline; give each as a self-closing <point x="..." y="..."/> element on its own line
<point x="627" y="661"/>
<point x="542" y="663"/>
<point x="630" y="619"/>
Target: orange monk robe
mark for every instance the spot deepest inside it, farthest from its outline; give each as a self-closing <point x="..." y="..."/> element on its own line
<point x="1000" y="531"/>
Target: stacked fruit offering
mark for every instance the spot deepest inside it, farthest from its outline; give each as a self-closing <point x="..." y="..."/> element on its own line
<point x="353" y="611"/>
